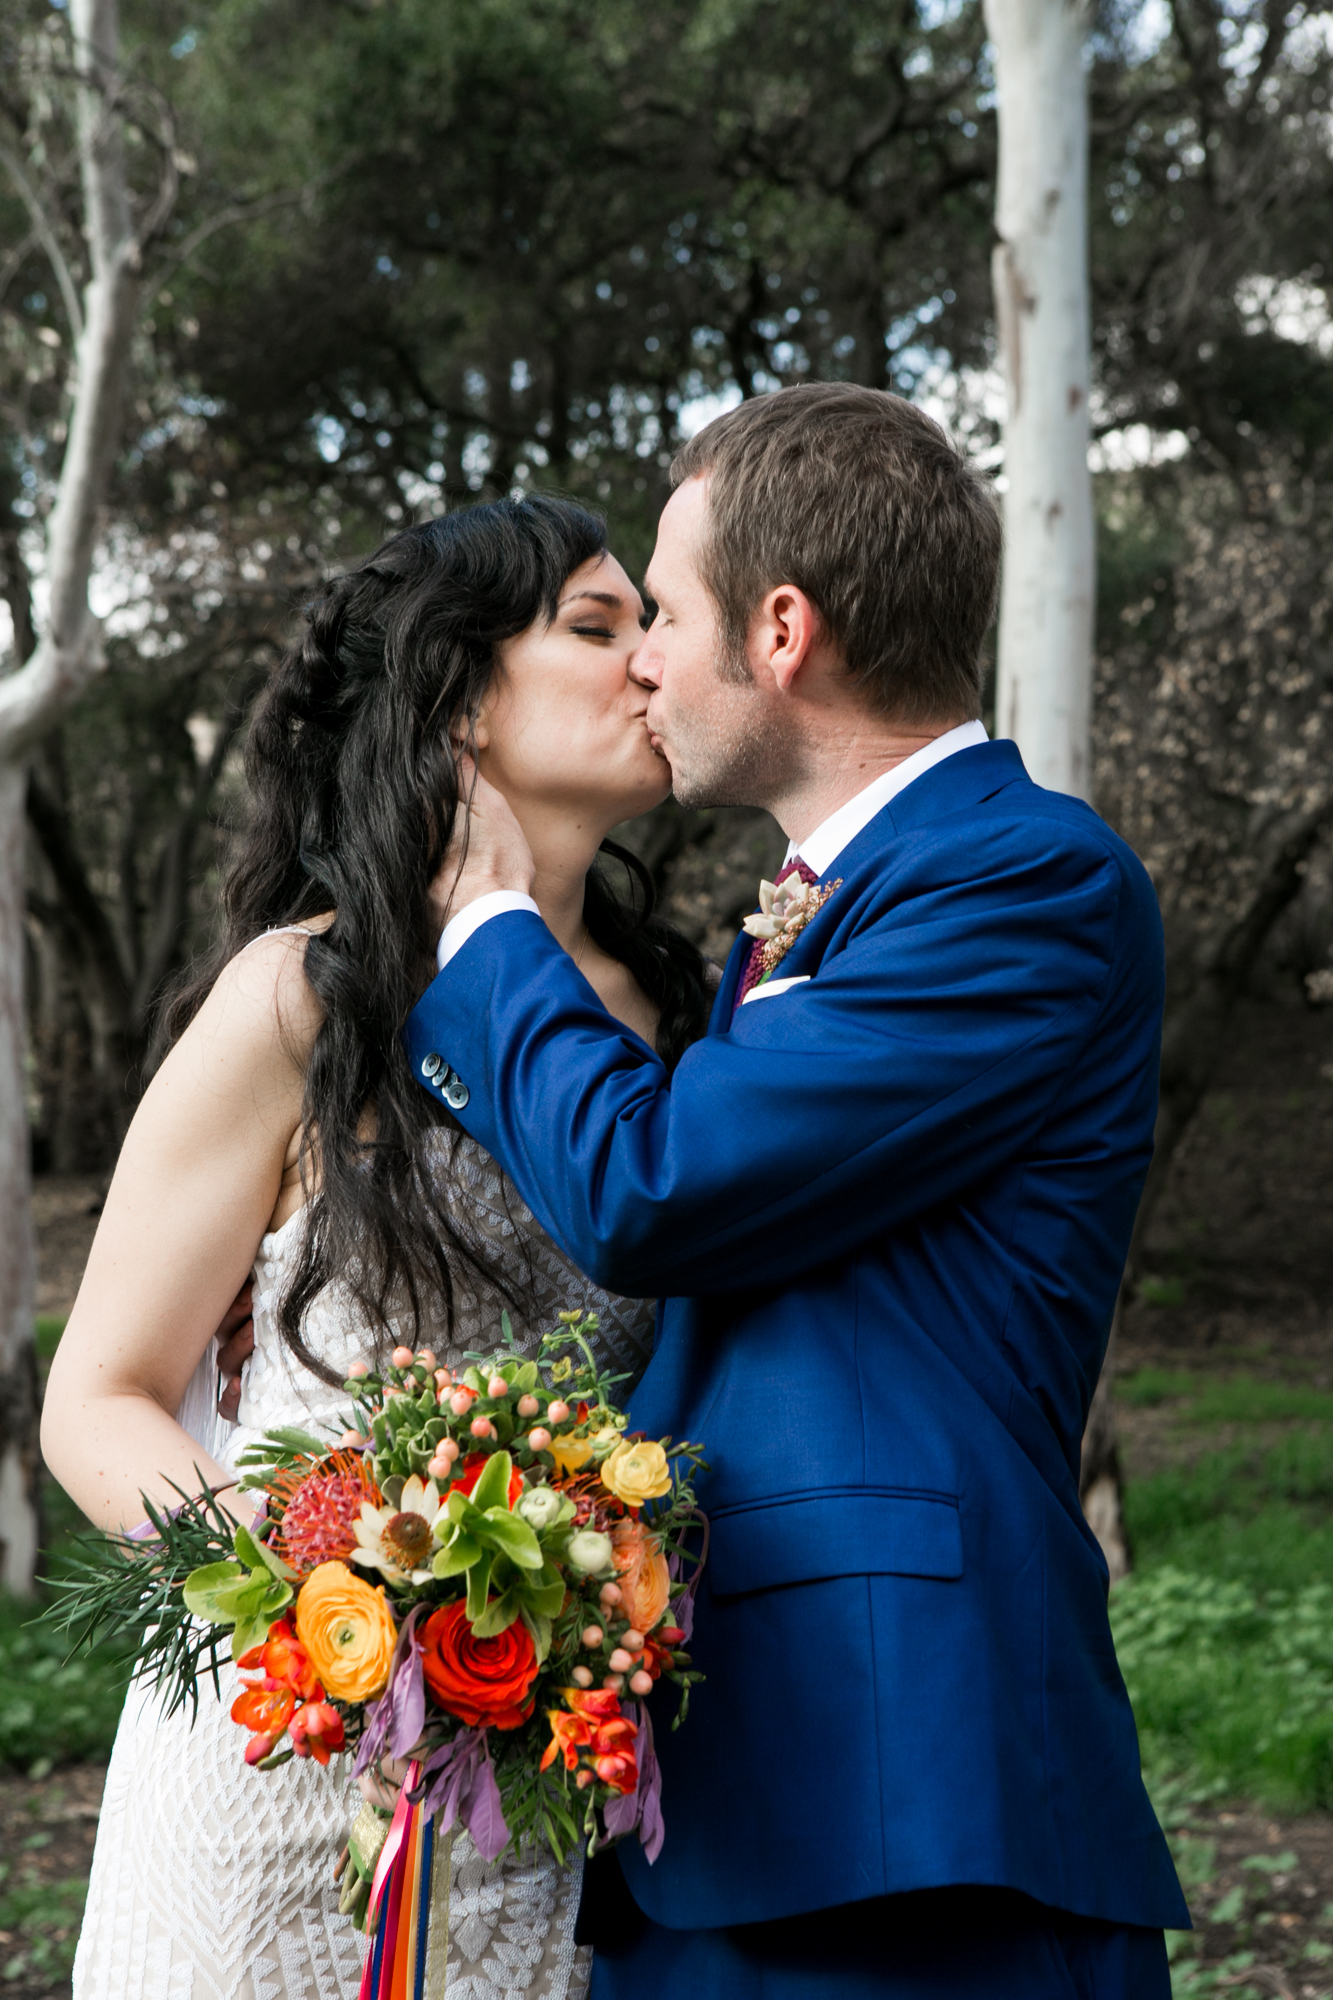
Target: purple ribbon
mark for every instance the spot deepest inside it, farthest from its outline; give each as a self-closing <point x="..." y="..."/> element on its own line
<point x="640" y="1809"/>
<point x="458" y="1783"/>
<point x="394" y="1723"/>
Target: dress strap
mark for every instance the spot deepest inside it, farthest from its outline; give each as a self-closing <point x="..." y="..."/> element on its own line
<point x="280" y="930"/>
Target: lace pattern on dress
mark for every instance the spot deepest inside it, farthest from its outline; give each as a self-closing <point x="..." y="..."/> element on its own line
<point x="214" y="1882"/>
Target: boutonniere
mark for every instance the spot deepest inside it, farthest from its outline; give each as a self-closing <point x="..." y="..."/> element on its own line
<point x="785" y="908"/>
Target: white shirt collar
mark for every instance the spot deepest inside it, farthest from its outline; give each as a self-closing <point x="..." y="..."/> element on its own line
<point x="821" y="849"/>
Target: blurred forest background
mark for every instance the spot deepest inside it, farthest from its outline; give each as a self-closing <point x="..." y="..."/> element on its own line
<point x="426" y="251"/>
<point x="422" y="253"/>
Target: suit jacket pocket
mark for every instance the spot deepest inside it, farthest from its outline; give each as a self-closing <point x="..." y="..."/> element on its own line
<point x="842" y="1531"/>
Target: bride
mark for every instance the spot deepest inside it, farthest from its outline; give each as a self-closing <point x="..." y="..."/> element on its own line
<point x="283" y="1137"/>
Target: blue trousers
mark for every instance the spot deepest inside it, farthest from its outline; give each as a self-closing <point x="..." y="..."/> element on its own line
<point x="943" y="1944"/>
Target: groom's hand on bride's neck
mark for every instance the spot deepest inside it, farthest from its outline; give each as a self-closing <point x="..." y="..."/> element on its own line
<point x="489" y="850"/>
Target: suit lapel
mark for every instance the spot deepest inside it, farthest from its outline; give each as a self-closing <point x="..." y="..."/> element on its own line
<point x="966" y="779"/>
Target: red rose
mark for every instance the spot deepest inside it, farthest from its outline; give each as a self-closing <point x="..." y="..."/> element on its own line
<point x="470" y="1471"/>
<point x="482" y="1681"/>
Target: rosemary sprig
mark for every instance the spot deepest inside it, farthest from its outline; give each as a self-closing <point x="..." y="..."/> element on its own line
<point x="127" y="1595"/>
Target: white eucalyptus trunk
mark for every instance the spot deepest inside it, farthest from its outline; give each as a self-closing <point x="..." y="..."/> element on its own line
<point x="1040" y="273"/>
<point x="66" y="657"/>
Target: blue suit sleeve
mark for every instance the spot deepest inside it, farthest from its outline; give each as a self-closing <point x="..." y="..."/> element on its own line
<point x="925" y="1051"/>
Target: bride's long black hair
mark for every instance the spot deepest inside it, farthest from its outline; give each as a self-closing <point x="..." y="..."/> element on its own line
<point x="352" y="767"/>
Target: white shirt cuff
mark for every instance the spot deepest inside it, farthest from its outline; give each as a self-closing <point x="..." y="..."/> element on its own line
<point x="460" y="928"/>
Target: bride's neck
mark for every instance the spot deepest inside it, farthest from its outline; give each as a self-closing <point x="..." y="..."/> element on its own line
<point x="563" y="845"/>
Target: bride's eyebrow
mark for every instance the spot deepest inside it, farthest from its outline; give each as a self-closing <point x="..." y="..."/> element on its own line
<point x="596" y="597"/>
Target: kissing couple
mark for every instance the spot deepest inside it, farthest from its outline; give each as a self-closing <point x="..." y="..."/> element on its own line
<point x="879" y="1176"/>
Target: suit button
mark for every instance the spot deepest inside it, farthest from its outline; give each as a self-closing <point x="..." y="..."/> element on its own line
<point x="456" y="1094"/>
<point x="430" y="1064"/>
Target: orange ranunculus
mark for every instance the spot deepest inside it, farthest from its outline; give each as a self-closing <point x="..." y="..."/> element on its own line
<point x="316" y="1731"/>
<point x="347" y="1630"/>
<point x="482" y="1681"/>
<point x="645" y="1580"/>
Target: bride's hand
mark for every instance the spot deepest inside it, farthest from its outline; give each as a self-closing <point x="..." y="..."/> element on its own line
<point x="381" y="1786"/>
<point x="489" y="849"/>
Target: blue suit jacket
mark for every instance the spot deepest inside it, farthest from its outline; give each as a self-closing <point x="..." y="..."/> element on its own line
<point x="887" y="1211"/>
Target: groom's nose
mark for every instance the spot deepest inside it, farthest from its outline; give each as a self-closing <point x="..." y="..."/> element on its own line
<point x="647" y="662"/>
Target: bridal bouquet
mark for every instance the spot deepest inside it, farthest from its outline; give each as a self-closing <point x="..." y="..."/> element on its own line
<point x="484" y="1576"/>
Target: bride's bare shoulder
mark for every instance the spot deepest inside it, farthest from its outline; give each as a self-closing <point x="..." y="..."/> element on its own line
<point x="262" y="1009"/>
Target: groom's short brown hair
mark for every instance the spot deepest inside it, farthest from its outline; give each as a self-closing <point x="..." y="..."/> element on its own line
<point x="866" y="505"/>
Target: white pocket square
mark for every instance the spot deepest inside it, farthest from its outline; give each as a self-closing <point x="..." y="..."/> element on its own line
<point x="772" y="986"/>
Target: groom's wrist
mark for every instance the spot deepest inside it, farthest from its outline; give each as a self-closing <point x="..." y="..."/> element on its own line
<point x="487" y="904"/>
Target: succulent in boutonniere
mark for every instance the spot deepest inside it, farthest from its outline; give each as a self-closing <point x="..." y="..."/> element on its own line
<point x="785" y="908"/>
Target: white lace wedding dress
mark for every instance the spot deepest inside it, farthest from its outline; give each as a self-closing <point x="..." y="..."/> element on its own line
<point x="211" y="1881"/>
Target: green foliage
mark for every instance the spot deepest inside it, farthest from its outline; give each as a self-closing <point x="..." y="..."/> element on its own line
<point x="1162" y="1291"/>
<point x="57" y="1706"/>
<point x="1235" y="1687"/>
<point x="1147" y="1387"/>
<point x="1232" y="1399"/>
<point x="49" y="1327"/>
<point x="127" y="1596"/>
<point x="1251" y="1514"/>
<point x="42" y="1921"/>
<point x="1244" y="1400"/>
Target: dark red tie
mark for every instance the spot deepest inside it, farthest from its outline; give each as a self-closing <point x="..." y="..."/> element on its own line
<point x="754" y="963"/>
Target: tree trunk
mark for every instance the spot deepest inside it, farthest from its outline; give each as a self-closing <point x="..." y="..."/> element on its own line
<point x="66" y="655"/>
<point x="1040" y="275"/>
<point x="1195" y="1034"/>
<point x="1040" y="272"/>
<point x="20" y="1461"/>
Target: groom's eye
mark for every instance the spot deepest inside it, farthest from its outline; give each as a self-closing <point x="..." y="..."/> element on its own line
<point x="649" y="613"/>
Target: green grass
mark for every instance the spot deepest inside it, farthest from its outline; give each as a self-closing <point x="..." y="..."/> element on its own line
<point x="1147" y="1387"/>
<point x="55" y="1708"/>
<point x="1233" y="1399"/>
<point x="1225" y="1629"/>
<point x="1230" y="1684"/>
<point x="42" y="1921"/>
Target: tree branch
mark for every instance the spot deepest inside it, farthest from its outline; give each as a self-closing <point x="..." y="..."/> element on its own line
<point x="69" y="653"/>
<point x="46" y="236"/>
<point x="78" y="899"/>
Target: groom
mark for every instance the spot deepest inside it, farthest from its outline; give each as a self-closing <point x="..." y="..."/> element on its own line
<point x="886" y="1203"/>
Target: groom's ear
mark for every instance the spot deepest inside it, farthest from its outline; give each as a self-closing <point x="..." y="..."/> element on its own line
<point x="787" y="631"/>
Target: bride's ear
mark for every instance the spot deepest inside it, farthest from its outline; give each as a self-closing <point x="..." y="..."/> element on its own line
<point x="477" y="737"/>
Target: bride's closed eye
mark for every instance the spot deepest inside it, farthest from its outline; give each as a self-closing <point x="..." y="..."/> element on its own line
<point x="593" y="631"/>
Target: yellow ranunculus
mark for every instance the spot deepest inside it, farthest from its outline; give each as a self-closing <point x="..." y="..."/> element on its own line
<point x="570" y="1453"/>
<point x="637" y="1472"/>
<point x="348" y="1630"/>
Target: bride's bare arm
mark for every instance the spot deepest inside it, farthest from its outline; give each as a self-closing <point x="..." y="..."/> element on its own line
<point x="193" y="1192"/>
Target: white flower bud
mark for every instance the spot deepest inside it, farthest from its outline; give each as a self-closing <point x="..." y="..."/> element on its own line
<point x="589" y="1552"/>
<point x="539" y="1506"/>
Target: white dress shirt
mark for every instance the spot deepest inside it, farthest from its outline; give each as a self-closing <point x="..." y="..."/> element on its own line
<point x="819" y="850"/>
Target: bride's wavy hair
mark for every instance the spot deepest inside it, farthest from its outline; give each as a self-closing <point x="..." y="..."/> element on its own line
<point x="352" y="765"/>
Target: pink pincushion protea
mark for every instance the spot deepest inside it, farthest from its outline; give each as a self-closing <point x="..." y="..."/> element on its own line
<point x="323" y="1507"/>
